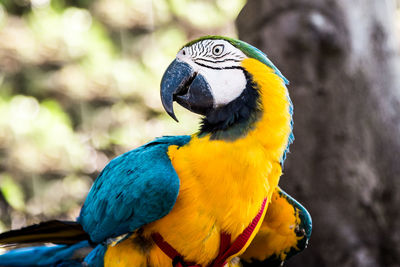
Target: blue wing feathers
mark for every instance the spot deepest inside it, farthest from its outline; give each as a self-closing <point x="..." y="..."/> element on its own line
<point x="96" y="257"/>
<point x="134" y="189"/>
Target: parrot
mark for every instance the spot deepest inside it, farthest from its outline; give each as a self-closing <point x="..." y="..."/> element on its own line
<point x="209" y="199"/>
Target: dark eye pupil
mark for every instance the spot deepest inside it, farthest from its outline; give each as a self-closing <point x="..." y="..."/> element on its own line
<point x="184" y="53"/>
<point x="218" y="49"/>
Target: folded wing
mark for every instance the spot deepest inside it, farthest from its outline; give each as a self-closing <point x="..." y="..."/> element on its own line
<point x="134" y="189"/>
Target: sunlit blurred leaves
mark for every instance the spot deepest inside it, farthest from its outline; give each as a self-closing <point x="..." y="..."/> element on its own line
<point x="3" y="15"/>
<point x="12" y="192"/>
<point x="230" y="8"/>
<point x="125" y="14"/>
<point x="40" y="3"/>
<point x="36" y="131"/>
<point x="65" y="195"/>
<point x="79" y="84"/>
<point x="205" y="13"/>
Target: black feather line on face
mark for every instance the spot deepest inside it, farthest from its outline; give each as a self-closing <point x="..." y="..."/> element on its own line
<point x="235" y="119"/>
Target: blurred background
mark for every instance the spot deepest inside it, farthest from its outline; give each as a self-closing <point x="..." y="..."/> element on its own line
<point x="79" y="85"/>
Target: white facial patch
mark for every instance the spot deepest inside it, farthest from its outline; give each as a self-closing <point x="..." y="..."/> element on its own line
<point x="219" y="62"/>
<point x="226" y="84"/>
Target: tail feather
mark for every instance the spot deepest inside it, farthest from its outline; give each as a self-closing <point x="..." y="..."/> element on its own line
<point x="56" y="232"/>
<point x="59" y="255"/>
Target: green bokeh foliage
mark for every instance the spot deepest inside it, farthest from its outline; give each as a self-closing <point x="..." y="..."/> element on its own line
<point x="79" y="84"/>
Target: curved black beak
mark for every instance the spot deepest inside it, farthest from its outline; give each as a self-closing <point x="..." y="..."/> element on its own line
<point x="182" y="84"/>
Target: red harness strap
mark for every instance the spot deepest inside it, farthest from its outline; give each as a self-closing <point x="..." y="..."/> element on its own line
<point x="177" y="259"/>
<point x="226" y="249"/>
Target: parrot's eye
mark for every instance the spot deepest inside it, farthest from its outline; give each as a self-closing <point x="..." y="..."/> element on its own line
<point x="218" y="49"/>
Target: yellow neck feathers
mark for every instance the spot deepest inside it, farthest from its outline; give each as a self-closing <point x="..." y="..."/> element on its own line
<point x="274" y="128"/>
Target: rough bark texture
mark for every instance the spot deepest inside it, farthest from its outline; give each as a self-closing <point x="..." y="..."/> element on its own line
<point x="341" y="59"/>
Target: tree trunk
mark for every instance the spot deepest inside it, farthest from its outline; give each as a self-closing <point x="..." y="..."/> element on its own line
<point x="341" y="59"/>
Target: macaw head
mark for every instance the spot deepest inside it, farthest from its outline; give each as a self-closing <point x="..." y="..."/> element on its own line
<point x="208" y="77"/>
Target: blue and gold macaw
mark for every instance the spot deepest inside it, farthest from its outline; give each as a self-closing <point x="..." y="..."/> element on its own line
<point x="209" y="199"/>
